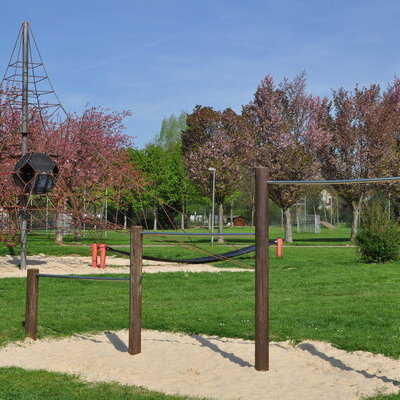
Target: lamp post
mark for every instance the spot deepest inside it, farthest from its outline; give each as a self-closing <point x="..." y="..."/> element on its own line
<point x="213" y="170"/>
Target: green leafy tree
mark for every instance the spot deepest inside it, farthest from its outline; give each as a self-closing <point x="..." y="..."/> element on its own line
<point x="168" y="190"/>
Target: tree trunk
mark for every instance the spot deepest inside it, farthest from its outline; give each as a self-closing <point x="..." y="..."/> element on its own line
<point x="356" y="206"/>
<point x="125" y="221"/>
<point x="231" y="213"/>
<point x="155" y="219"/>
<point x="183" y="217"/>
<point x="209" y="221"/>
<point x="288" y="226"/>
<point x="220" y="221"/>
<point x="77" y="230"/>
<point x="59" y="228"/>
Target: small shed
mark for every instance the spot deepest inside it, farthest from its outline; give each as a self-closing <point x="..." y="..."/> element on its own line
<point x="239" y="221"/>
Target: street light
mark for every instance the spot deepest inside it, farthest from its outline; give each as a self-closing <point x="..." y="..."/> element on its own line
<point x="213" y="203"/>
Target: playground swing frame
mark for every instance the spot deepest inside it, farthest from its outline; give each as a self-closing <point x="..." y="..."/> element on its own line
<point x="262" y="253"/>
<point x="135" y="281"/>
<point x="135" y="293"/>
<point x="261" y="272"/>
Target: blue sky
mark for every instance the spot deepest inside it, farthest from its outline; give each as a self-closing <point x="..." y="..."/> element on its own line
<point x="157" y="58"/>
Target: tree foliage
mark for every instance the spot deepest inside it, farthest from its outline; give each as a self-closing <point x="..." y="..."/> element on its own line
<point x="378" y="240"/>
<point x="358" y="139"/>
<point x="168" y="189"/>
<point x="88" y="149"/>
<point x="283" y="117"/>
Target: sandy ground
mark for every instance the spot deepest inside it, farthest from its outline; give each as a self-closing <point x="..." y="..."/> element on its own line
<point x="82" y="265"/>
<point x="205" y="366"/>
<point x="199" y="365"/>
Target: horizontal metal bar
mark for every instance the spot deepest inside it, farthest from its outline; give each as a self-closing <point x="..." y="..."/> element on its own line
<point x="336" y="181"/>
<point x="95" y="278"/>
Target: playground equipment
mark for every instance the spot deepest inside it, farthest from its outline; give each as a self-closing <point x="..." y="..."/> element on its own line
<point x="261" y="272"/>
<point x="197" y="260"/>
<point x="207" y="259"/>
<point x="95" y="250"/>
<point x="135" y="293"/>
<point x="35" y="173"/>
<point x="262" y="254"/>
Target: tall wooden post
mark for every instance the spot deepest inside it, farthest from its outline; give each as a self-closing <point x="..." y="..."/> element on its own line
<point x="31" y="307"/>
<point x="262" y="271"/>
<point x="135" y="296"/>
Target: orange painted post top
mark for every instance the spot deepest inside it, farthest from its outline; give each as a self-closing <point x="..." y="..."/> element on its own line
<point x="94" y="255"/>
<point x="102" y="255"/>
<point x="279" y="245"/>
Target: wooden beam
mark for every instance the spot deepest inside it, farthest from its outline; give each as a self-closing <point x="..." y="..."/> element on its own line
<point x="135" y="304"/>
<point x="31" y="308"/>
<point x="262" y="271"/>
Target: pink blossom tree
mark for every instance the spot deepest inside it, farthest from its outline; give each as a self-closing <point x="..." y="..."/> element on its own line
<point x="221" y="140"/>
<point x="282" y="118"/>
<point x="358" y="140"/>
<point x="89" y="151"/>
<point x="91" y="158"/>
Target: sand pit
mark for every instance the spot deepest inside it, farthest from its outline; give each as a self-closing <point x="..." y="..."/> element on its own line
<point x="82" y="266"/>
<point x="205" y="366"/>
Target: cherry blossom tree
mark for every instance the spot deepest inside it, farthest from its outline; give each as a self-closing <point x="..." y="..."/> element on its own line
<point x="221" y="140"/>
<point x="282" y="117"/>
<point x="359" y="140"/>
<point x="89" y="151"/>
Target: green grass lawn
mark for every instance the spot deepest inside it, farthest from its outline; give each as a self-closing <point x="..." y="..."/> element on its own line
<point x="16" y="384"/>
<point x="171" y="246"/>
<point x="329" y="296"/>
<point x="316" y="293"/>
<point x="20" y="384"/>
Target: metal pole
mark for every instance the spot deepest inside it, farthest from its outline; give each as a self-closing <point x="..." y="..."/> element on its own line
<point x="262" y="271"/>
<point x="47" y="214"/>
<point x="105" y="213"/>
<point x="213" y="205"/>
<point x="24" y="132"/>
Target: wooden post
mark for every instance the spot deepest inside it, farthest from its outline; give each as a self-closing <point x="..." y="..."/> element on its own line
<point x="262" y="271"/>
<point x="32" y="295"/>
<point x="135" y="306"/>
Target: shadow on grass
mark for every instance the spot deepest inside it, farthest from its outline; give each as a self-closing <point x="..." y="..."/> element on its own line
<point x="336" y="363"/>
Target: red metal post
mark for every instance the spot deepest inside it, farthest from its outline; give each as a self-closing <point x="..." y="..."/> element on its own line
<point x="102" y="255"/>
<point x="279" y="245"/>
<point x="94" y="255"/>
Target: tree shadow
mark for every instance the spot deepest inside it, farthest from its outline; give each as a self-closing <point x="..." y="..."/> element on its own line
<point x="16" y="261"/>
